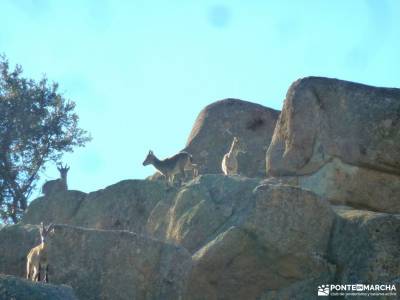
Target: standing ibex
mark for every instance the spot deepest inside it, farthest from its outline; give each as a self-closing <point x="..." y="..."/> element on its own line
<point x="229" y="162"/>
<point x="36" y="262"/>
<point x="171" y="166"/>
<point x="57" y="185"/>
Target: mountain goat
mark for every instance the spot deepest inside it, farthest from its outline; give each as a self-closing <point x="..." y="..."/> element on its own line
<point x="229" y="162"/>
<point x="172" y="166"/>
<point x="36" y="263"/>
<point x="57" y="185"/>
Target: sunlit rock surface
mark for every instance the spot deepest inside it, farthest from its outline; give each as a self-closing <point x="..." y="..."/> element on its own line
<point x="325" y="210"/>
<point x="219" y="122"/>
<point x="343" y="141"/>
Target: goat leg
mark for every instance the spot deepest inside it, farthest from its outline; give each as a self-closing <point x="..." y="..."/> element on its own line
<point x="46" y="274"/>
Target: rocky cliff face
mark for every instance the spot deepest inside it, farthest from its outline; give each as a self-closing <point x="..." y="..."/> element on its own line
<point x="237" y="237"/>
<point x="218" y="123"/>
<point x="107" y="264"/>
<point x="19" y="289"/>
<point x="341" y="140"/>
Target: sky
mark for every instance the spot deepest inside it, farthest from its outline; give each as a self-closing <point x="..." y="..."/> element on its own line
<point x="141" y="71"/>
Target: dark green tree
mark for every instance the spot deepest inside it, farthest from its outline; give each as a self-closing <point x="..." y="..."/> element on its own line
<point x="37" y="125"/>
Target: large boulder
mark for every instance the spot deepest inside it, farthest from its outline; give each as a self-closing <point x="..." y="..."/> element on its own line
<point x="107" y="264"/>
<point x="15" y="243"/>
<point x="342" y="138"/>
<point x="280" y="241"/>
<point x="365" y="246"/>
<point x="19" y="289"/>
<point x="201" y="210"/>
<point x="59" y="207"/>
<point x="217" y="124"/>
<point x="359" y="187"/>
<point x="125" y="205"/>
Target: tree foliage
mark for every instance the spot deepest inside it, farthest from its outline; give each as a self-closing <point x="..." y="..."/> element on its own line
<point x="37" y="125"/>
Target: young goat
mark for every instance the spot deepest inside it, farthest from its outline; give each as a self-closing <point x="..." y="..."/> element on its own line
<point x="57" y="185"/>
<point x="230" y="162"/>
<point x="36" y="262"/>
<point x="172" y="166"/>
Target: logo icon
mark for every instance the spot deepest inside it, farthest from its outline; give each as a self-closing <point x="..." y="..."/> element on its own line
<point x="323" y="290"/>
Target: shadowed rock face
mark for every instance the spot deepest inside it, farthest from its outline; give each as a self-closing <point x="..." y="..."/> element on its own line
<point x="248" y="239"/>
<point x="60" y="207"/>
<point x="15" y="243"/>
<point x="343" y="140"/>
<point x="366" y="246"/>
<point x="107" y="264"/>
<point x="281" y="239"/>
<point x="218" y="123"/>
<point x="125" y="205"/>
<point x="16" y="288"/>
<point x="244" y="238"/>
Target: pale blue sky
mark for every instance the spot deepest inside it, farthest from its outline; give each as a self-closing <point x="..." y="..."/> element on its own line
<point x="140" y="71"/>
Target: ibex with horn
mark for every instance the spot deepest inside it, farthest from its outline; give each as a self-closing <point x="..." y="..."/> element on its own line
<point x="57" y="185"/>
<point x="229" y="162"/>
<point x="36" y="264"/>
